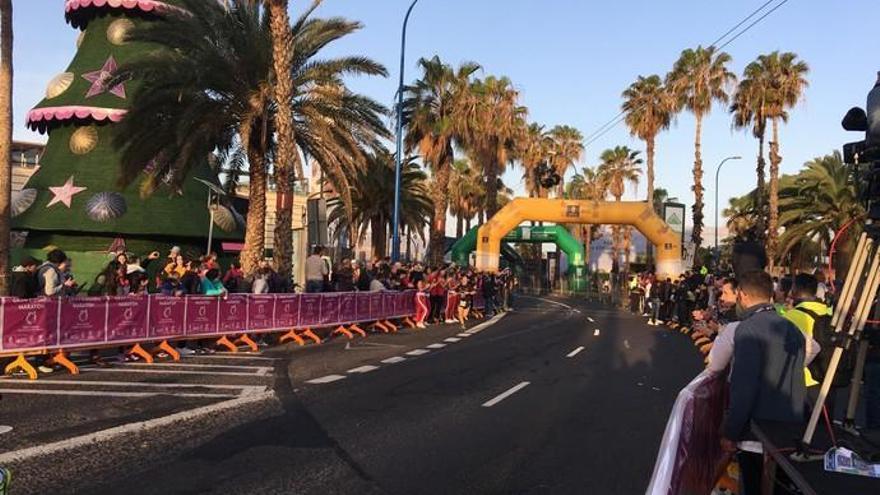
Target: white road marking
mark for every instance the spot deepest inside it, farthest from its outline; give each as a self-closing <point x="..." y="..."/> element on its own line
<point x="436" y="346"/>
<point x="237" y="355"/>
<point x="417" y="352"/>
<point x="463" y="335"/>
<point x="198" y="365"/>
<point x="596" y="332"/>
<point x="169" y="372"/>
<point x="5" y="429"/>
<point x="626" y="343"/>
<point x="103" y="393"/>
<point x="363" y="369"/>
<point x="395" y="359"/>
<point x="452" y="340"/>
<point x="486" y="324"/>
<point x="326" y="379"/>
<point x="86" y="383"/>
<point x="591" y="320"/>
<point x="508" y="393"/>
<point x="141" y="426"/>
<point x="549" y="302"/>
<point x="656" y="389"/>
<point x="574" y="352"/>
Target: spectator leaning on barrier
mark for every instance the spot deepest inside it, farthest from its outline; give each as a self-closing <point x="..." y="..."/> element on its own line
<point x="49" y="276"/>
<point x="211" y="284"/>
<point x="767" y="378"/>
<point x="24" y="279"/>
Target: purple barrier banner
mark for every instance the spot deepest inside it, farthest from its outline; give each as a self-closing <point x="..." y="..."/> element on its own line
<point x="29" y="323"/>
<point x="406" y="304"/>
<point x="166" y="316"/>
<point x="287" y="311"/>
<point x="201" y="315"/>
<point x="362" y="306"/>
<point x="83" y="321"/>
<point x="310" y="310"/>
<point x="376" y="312"/>
<point x="329" y="309"/>
<point x="233" y="313"/>
<point x="261" y="312"/>
<point x="127" y="318"/>
<point x="347" y="308"/>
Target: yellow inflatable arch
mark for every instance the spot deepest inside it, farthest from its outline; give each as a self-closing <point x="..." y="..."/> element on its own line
<point x="639" y="214"/>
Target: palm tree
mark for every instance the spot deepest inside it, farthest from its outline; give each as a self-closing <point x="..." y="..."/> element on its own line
<point x="566" y="149"/>
<point x="787" y="77"/>
<point x="590" y="184"/>
<point x="5" y="139"/>
<point x="649" y="108"/>
<point x="285" y="155"/>
<point x="498" y="121"/>
<point x="816" y="203"/>
<point x="698" y="79"/>
<point x="660" y="196"/>
<point x="749" y="109"/>
<point x="466" y="195"/>
<point x="210" y="88"/>
<point x="373" y="201"/>
<point x="433" y="108"/>
<point x="620" y="165"/>
<point x="533" y="150"/>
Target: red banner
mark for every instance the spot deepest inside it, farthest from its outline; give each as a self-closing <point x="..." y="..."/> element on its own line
<point x="287" y="311"/>
<point x="261" y="312"/>
<point x="83" y="321"/>
<point x="201" y="315"/>
<point x="233" y="314"/>
<point x="310" y="310"/>
<point x="127" y="318"/>
<point x="29" y="323"/>
<point x="166" y="316"/>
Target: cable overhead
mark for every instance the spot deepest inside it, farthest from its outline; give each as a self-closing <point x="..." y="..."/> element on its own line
<point x="620" y="117"/>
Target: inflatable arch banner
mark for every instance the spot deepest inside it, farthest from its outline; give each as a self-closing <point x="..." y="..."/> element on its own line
<point x="639" y="214"/>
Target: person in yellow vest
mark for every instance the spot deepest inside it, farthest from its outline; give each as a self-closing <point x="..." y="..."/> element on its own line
<point x="806" y="311"/>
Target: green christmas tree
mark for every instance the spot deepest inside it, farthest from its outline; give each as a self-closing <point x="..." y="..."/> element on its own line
<point x="74" y="201"/>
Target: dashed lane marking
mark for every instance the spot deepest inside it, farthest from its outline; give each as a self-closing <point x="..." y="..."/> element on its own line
<point x="596" y="332"/>
<point x="395" y="359"/>
<point x="417" y="352"/>
<point x="463" y="335"/>
<point x="452" y="340"/>
<point x="101" y="383"/>
<point x="103" y="393"/>
<point x="504" y="395"/>
<point x="591" y="319"/>
<point x="574" y="352"/>
<point x="326" y="379"/>
<point x="363" y="369"/>
<point x="199" y="365"/>
<point x="168" y="372"/>
<point x="626" y="343"/>
<point x="436" y="346"/>
<point x="235" y="355"/>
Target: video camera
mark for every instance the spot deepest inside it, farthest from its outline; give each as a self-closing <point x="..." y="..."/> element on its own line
<point x="865" y="154"/>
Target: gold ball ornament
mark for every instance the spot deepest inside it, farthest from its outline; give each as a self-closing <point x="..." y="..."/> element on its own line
<point x="83" y="140"/>
<point x="117" y="32"/>
<point x="59" y="84"/>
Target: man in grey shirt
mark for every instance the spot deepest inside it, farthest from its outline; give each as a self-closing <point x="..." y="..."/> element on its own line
<point x="49" y="276"/>
<point x="316" y="270"/>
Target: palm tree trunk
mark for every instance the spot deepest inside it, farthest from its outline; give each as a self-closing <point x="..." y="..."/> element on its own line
<point x="255" y="233"/>
<point x="409" y="244"/>
<point x="5" y="140"/>
<point x="439" y="196"/>
<point x="467" y="223"/>
<point x="773" y="224"/>
<point x="282" y="49"/>
<point x="697" y="235"/>
<point x="759" y="198"/>
<point x="649" y="175"/>
<point x="459" y="226"/>
<point x="491" y="188"/>
<point x="377" y="231"/>
<point x="482" y="216"/>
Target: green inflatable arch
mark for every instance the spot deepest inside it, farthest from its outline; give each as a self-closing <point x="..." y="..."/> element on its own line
<point x="556" y="234"/>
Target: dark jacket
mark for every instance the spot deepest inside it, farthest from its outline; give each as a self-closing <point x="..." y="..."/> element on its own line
<point x="25" y="285"/>
<point x="767" y="379"/>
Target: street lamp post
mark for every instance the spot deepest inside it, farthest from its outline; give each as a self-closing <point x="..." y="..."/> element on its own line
<point x="717" y="171"/>
<point x="395" y="229"/>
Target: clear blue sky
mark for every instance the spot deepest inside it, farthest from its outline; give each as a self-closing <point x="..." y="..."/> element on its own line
<point x="571" y="59"/>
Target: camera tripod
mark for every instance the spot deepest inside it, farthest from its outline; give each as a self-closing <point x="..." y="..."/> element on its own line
<point x="859" y="292"/>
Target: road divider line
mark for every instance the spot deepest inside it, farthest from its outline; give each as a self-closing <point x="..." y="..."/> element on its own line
<point x="236" y="355"/>
<point x="504" y="395"/>
<point x="395" y="359"/>
<point x="574" y="352"/>
<point x="452" y="340"/>
<point x="463" y="335"/>
<point x="115" y="369"/>
<point x="486" y="324"/>
<point x="104" y="393"/>
<point x="197" y="365"/>
<point x="325" y="379"/>
<point x="596" y="332"/>
<point x="417" y="352"/>
<point x="591" y="319"/>
<point x="101" y="383"/>
<point x="100" y="436"/>
<point x="436" y="346"/>
<point x="364" y="369"/>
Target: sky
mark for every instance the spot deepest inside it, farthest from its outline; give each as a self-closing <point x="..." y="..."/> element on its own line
<point x="570" y="60"/>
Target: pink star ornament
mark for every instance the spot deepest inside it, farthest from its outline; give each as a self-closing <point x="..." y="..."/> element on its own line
<point x="64" y="194"/>
<point x="99" y="79"/>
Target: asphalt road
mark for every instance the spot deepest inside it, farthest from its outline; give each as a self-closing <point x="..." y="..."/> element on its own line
<point x="556" y="397"/>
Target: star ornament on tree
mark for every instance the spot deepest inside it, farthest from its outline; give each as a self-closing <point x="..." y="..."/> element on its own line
<point x="64" y="194"/>
<point x="100" y="78"/>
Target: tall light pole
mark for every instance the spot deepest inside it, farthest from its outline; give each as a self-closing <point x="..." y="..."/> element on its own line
<point x="717" y="171"/>
<point x="395" y="229"/>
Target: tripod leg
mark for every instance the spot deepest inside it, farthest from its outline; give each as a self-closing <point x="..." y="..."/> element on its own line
<point x="856" y="384"/>
<point x="851" y="284"/>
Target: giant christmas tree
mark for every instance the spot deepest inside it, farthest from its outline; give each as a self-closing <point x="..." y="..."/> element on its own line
<point x="74" y="201"/>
